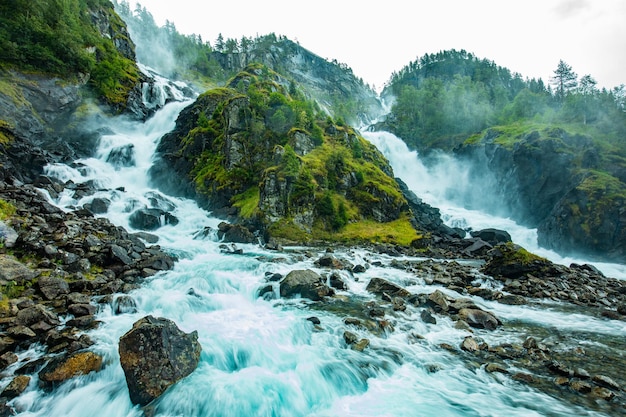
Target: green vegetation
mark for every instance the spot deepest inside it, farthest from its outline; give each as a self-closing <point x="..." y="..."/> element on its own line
<point x="59" y="37"/>
<point x="261" y="146"/>
<point x="7" y="210"/>
<point x="447" y="98"/>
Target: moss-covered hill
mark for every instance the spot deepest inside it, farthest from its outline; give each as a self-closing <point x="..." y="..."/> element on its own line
<point x="256" y="150"/>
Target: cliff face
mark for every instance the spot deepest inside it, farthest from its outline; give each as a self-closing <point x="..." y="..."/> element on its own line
<point x="259" y="152"/>
<point x="561" y="184"/>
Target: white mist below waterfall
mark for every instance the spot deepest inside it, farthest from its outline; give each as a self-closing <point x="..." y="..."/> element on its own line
<point x="263" y="357"/>
<point x="445" y="184"/>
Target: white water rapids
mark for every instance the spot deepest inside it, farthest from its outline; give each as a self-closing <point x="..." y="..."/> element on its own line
<point x="263" y="358"/>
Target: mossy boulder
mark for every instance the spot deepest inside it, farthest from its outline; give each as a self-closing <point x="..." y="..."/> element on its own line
<point x="508" y="260"/>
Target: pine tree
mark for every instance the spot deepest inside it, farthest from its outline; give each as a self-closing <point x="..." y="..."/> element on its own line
<point x="564" y="79"/>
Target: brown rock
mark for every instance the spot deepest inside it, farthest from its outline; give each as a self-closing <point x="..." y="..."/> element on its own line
<point x="16" y="387"/>
<point x="64" y="368"/>
<point x="379" y="286"/>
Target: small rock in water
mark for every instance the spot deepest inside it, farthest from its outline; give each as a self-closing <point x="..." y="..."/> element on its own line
<point x="314" y="320"/>
<point x="427" y="317"/>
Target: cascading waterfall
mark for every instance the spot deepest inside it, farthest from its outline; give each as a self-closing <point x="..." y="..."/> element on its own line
<point x="263" y="357"/>
<point x="465" y="203"/>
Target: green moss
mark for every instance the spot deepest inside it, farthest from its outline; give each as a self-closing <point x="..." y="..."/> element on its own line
<point x="247" y="202"/>
<point x="601" y="185"/>
<point x="515" y="254"/>
<point x="286" y="229"/>
<point x="7" y="210"/>
<point x="399" y="232"/>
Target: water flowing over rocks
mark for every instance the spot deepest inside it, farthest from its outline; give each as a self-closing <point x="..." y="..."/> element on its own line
<point x="155" y="354"/>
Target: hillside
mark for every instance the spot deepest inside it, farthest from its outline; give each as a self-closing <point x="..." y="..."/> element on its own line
<point x="557" y="152"/>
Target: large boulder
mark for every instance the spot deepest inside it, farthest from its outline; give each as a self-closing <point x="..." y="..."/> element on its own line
<point x="306" y="284"/>
<point x="155" y="354"/>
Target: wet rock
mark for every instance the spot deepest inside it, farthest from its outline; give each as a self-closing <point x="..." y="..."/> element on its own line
<point x="7" y="359"/>
<point x="427" y="317"/>
<point x="79" y="310"/>
<point x="16" y="387"/>
<point x="328" y="261"/>
<point x="151" y="219"/>
<point x="266" y="292"/>
<point x="273" y="277"/>
<point x="581" y="386"/>
<point x="359" y="269"/>
<point x="21" y="333"/>
<point x="559" y="368"/>
<point x="523" y="377"/>
<point x="63" y="368"/>
<point x="379" y="286"/>
<point x="337" y="282"/>
<point x="154" y="355"/>
<point x="494" y="367"/>
<point x="561" y="381"/>
<point x="479" y="318"/>
<point x="306" y="284"/>
<point x="508" y="260"/>
<point x="235" y="233"/>
<point x="124" y="304"/>
<point x="492" y="236"/>
<point x="602" y="393"/>
<point x="439" y="301"/>
<point x="360" y="345"/>
<point x="122" y="156"/>
<point x="98" y="205"/>
<point x="606" y="382"/>
<point x="350" y="338"/>
<point x="470" y="344"/>
<point x="314" y="320"/>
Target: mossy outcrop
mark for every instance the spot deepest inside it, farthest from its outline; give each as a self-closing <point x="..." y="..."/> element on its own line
<point x="259" y="152"/>
<point x="570" y="186"/>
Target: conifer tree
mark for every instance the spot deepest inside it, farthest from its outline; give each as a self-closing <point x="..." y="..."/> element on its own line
<point x="564" y="79"/>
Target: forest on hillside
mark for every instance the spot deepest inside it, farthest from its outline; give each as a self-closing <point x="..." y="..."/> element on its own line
<point x="443" y="98"/>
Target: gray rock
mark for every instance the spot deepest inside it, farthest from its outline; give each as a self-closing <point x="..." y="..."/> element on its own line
<point x="306" y="283"/>
<point x="53" y="287"/>
<point x="479" y="318"/>
<point x="379" y="286"/>
<point x="155" y="354"/>
<point x="11" y="270"/>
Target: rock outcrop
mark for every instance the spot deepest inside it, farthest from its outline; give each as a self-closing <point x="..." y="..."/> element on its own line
<point x="155" y="354"/>
<point x="556" y="181"/>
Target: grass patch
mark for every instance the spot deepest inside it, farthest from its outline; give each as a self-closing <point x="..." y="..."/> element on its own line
<point x="247" y="202"/>
<point x="7" y="210"/>
<point x="398" y="232"/>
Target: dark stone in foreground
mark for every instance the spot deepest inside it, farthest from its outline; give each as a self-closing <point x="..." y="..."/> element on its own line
<point x="155" y="354"/>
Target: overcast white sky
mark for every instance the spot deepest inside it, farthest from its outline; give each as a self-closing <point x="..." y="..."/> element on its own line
<point x="375" y="38"/>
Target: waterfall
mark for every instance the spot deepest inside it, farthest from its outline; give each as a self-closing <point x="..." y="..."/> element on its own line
<point x="466" y="203"/>
<point x="262" y="357"/>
